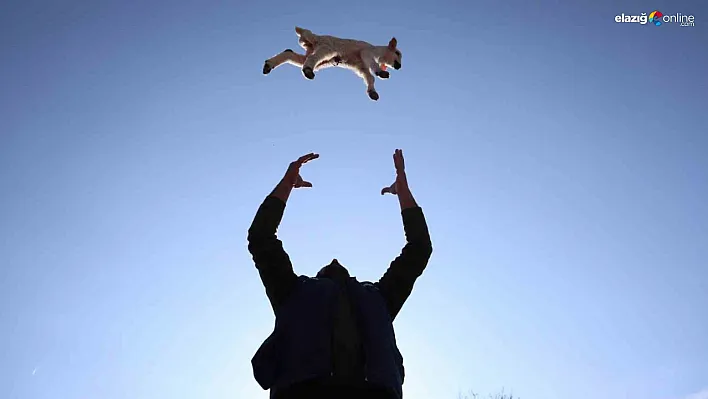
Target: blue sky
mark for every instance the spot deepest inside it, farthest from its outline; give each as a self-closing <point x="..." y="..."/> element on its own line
<point x="560" y="158"/>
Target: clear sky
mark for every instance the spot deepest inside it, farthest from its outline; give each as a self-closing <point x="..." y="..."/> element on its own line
<point x="561" y="160"/>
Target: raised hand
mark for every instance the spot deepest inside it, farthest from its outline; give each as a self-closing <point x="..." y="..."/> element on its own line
<point x="400" y="182"/>
<point x="292" y="176"/>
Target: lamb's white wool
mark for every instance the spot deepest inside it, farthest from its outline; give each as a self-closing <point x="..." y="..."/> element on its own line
<point x="322" y="51"/>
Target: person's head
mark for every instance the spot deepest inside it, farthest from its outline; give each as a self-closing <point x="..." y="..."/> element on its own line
<point x="334" y="271"/>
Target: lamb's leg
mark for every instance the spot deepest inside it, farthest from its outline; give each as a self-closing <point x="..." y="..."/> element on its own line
<point x="318" y="55"/>
<point x="381" y="73"/>
<point x="370" y="89"/>
<point x="288" y="56"/>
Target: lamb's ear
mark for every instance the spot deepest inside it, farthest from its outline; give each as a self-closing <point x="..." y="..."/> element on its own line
<point x="392" y="44"/>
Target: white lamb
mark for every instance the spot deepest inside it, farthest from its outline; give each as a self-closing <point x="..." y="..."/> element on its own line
<point x="365" y="59"/>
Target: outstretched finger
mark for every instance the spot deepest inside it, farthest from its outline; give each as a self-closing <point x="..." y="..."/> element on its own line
<point x="305" y="184"/>
<point x="308" y="157"/>
<point x="311" y="156"/>
<point x="390" y="189"/>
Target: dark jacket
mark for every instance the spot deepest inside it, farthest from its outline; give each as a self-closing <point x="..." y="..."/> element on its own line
<point x="300" y="347"/>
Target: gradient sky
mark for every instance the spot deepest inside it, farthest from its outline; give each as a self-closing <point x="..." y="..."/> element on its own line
<point x="561" y="160"/>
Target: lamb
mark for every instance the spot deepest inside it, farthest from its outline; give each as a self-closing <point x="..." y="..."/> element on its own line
<point x="321" y="51"/>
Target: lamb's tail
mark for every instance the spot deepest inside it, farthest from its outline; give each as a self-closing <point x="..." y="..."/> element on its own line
<point x="304" y="33"/>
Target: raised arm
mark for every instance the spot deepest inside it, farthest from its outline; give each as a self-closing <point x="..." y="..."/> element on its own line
<point x="397" y="283"/>
<point x="271" y="260"/>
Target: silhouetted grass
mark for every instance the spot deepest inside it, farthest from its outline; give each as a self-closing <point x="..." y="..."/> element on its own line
<point x="500" y="395"/>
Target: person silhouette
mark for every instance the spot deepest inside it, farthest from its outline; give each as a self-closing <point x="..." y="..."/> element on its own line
<point x="333" y="335"/>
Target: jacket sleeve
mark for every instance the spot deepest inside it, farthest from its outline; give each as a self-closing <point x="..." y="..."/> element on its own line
<point x="397" y="283"/>
<point x="271" y="260"/>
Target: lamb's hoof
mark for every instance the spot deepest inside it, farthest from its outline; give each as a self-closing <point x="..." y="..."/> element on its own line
<point x="383" y="74"/>
<point x="267" y="68"/>
<point x="307" y="71"/>
<point x="373" y="95"/>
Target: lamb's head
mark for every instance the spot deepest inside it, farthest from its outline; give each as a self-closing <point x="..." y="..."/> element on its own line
<point x="391" y="55"/>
